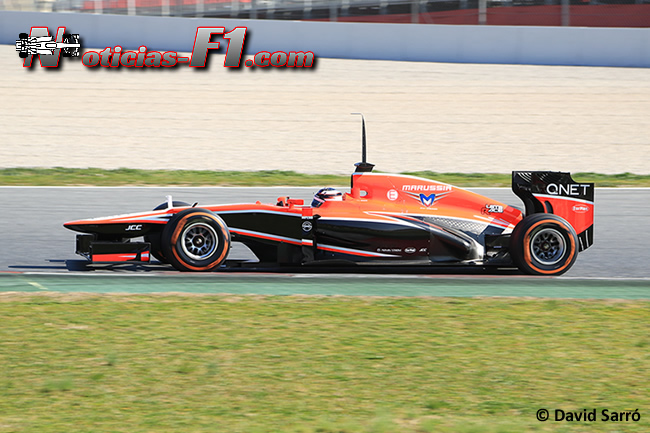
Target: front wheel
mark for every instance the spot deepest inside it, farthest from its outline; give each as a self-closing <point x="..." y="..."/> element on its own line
<point x="154" y="238"/>
<point x="195" y="240"/>
<point x="544" y="244"/>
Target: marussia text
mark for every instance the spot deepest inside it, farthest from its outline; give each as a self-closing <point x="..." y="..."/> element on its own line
<point x="605" y="415"/>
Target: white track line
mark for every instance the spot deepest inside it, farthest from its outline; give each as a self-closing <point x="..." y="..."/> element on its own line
<point x="37" y="285"/>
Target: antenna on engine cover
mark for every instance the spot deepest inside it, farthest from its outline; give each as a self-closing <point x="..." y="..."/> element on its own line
<point x="363" y="166"/>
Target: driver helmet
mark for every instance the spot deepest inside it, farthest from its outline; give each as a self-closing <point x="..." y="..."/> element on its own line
<point x="326" y="194"/>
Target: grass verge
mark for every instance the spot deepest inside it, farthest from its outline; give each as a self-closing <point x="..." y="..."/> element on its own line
<point x="142" y="363"/>
<point x="132" y="177"/>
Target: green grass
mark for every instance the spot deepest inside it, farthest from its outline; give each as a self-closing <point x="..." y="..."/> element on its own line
<point x="93" y="176"/>
<point x="142" y="363"/>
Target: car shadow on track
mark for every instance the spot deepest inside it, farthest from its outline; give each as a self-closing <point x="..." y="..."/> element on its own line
<point x="81" y="266"/>
<point x="254" y="267"/>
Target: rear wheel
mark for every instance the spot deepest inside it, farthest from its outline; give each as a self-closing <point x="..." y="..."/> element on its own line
<point x="195" y="240"/>
<point x="544" y="244"/>
<point x="154" y="237"/>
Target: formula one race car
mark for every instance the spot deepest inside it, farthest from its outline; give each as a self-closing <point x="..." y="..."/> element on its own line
<point x="45" y="45"/>
<point x="385" y="219"/>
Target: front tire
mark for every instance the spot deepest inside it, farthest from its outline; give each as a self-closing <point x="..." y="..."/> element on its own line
<point x="195" y="240"/>
<point x="544" y="244"/>
<point x="154" y="238"/>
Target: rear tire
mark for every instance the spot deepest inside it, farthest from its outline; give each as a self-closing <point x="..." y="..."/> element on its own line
<point x="154" y="238"/>
<point x="544" y="244"/>
<point x="195" y="240"/>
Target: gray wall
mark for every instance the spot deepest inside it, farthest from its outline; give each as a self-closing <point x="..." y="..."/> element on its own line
<point x="432" y="43"/>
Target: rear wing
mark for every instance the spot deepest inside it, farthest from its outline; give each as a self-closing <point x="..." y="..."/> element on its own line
<point x="557" y="193"/>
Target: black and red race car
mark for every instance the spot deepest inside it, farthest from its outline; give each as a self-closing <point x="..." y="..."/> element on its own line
<point x="385" y="219"/>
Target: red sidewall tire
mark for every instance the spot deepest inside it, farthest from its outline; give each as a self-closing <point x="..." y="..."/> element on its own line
<point x="527" y="245"/>
<point x="181" y="234"/>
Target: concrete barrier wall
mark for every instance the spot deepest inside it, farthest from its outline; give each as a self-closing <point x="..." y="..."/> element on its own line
<point x="578" y="46"/>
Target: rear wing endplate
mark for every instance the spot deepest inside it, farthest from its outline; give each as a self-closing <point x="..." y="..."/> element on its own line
<point x="556" y="192"/>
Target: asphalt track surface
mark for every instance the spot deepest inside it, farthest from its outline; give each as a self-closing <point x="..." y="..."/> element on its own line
<point x="41" y="251"/>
